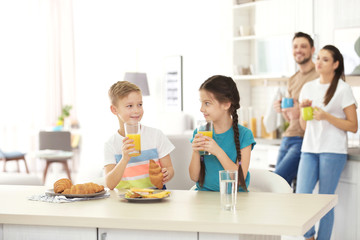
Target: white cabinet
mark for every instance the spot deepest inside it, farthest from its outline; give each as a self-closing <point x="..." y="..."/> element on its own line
<point x="114" y="234"/>
<point x="262" y="36"/>
<point x="264" y="156"/>
<point x="27" y="232"/>
<point x="347" y="211"/>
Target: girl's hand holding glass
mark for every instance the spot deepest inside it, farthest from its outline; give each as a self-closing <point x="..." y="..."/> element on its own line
<point x="198" y="142"/>
<point x="205" y="144"/>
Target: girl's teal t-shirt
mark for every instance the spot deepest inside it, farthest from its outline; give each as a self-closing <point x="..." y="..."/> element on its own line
<point x="212" y="164"/>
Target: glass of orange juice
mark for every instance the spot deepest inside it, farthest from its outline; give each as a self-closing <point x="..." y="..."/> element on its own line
<point x="206" y="129"/>
<point x="132" y="131"/>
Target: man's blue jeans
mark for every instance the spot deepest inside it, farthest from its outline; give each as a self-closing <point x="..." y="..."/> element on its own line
<point x="289" y="157"/>
<point x="325" y="168"/>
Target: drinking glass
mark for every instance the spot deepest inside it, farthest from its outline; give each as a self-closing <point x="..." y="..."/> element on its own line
<point x="206" y="129"/>
<point x="228" y="189"/>
<point x="132" y="131"/>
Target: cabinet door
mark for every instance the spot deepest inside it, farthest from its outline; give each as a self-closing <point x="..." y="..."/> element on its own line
<point x="221" y="236"/>
<point x="346" y="220"/>
<point x="114" y="234"/>
<point x="25" y="232"/>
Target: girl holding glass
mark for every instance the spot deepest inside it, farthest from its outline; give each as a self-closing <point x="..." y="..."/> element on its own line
<point x="231" y="144"/>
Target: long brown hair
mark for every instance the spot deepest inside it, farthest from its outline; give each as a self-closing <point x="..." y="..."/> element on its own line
<point x="224" y="90"/>
<point x="339" y="72"/>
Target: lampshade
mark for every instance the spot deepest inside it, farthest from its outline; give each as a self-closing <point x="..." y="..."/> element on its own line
<point x="140" y="80"/>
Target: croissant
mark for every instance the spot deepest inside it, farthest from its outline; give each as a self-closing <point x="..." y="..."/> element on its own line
<point x="155" y="174"/>
<point x="62" y="184"/>
<point x="86" y="188"/>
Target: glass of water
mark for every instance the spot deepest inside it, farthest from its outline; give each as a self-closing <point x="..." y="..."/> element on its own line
<point x="228" y="189"/>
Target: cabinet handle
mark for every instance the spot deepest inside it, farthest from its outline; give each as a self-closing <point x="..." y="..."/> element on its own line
<point x="103" y="236"/>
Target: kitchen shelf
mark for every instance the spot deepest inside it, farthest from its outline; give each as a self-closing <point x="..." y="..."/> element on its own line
<point x="353" y="80"/>
<point x="260" y="37"/>
<point x="260" y="77"/>
<point x="245" y="5"/>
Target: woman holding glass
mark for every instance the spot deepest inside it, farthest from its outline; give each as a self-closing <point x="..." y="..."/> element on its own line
<point x="324" y="148"/>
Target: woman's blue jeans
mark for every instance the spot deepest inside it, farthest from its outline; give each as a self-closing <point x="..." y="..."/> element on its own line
<point x="289" y="157"/>
<point x="325" y="168"/>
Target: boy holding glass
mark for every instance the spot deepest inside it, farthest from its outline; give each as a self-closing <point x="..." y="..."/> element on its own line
<point x="122" y="169"/>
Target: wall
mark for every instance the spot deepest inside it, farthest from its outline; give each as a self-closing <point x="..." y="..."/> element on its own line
<point x="113" y="37"/>
<point x="257" y="94"/>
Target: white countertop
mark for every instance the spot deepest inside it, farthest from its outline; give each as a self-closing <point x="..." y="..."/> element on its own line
<point x="257" y="213"/>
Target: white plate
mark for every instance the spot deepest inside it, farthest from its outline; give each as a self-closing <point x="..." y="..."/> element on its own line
<point x="51" y="192"/>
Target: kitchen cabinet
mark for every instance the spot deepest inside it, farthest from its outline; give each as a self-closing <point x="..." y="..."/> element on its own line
<point x="262" y="36"/>
<point x="30" y="232"/>
<point x="347" y="212"/>
<point x="114" y="234"/>
<point x="265" y="153"/>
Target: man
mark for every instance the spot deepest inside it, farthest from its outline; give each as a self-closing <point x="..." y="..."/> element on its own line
<point x="290" y="148"/>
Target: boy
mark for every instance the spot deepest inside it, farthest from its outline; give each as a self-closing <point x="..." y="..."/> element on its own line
<point x="122" y="170"/>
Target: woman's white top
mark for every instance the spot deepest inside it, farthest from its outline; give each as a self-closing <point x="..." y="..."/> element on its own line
<point x="321" y="136"/>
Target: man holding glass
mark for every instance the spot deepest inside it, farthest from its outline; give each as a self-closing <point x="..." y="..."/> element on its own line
<point x="290" y="148"/>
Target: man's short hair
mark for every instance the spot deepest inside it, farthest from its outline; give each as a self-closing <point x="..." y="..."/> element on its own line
<point x="304" y="35"/>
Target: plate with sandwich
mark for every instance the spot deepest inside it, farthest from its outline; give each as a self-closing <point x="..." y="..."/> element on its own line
<point x="145" y="195"/>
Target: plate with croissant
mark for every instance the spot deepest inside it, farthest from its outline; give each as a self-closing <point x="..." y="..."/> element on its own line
<point x="64" y="187"/>
<point x="145" y="195"/>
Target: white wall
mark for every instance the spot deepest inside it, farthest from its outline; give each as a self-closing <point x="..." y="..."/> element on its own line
<point x="113" y="37"/>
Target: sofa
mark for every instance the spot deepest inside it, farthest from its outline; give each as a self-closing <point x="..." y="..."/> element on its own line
<point x="13" y="178"/>
<point x="180" y="158"/>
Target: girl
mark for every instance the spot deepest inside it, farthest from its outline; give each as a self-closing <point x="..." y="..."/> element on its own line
<point x="324" y="149"/>
<point x="231" y="144"/>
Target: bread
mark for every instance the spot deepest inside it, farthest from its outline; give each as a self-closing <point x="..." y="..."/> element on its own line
<point x="155" y="174"/>
<point x="62" y="184"/>
<point x="86" y="188"/>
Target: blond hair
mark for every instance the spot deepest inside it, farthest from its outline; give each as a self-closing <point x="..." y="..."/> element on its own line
<point x="121" y="89"/>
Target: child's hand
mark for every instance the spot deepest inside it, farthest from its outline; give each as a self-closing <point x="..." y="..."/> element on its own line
<point x="166" y="176"/>
<point x="211" y="146"/>
<point x="204" y="143"/>
<point x="198" y="142"/>
<point x="127" y="147"/>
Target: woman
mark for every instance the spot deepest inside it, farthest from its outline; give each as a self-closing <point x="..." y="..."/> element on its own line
<point x="324" y="149"/>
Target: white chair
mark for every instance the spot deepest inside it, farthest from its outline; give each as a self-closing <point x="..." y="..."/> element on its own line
<point x="262" y="180"/>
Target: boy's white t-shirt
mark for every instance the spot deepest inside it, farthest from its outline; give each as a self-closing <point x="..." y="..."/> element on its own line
<point x="154" y="145"/>
<point x="321" y="136"/>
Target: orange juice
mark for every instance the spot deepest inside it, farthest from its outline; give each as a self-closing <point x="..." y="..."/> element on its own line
<point x="137" y="142"/>
<point x="206" y="133"/>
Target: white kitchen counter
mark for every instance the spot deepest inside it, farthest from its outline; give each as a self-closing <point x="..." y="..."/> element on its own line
<point x="189" y="211"/>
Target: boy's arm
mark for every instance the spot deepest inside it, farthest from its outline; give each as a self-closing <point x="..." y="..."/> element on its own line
<point x="167" y="168"/>
<point x="114" y="173"/>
